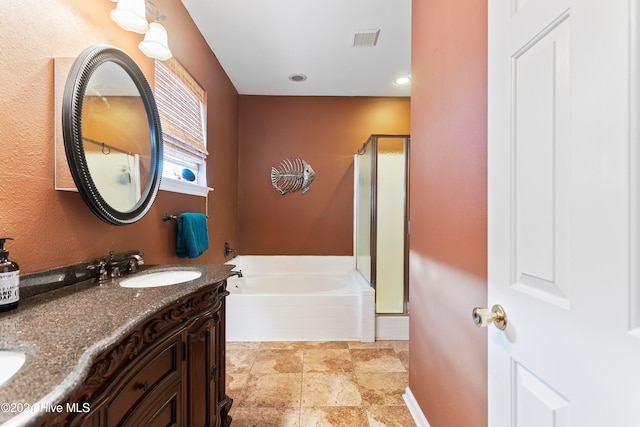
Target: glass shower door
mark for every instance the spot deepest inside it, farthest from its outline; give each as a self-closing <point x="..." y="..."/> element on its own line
<point x="390" y="218"/>
<point x="362" y="169"/>
<point x="381" y="219"/>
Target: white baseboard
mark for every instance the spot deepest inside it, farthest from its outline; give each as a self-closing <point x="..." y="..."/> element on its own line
<point x="414" y="409"/>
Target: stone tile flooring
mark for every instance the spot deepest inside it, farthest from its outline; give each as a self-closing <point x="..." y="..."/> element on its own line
<point x="318" y="384"/>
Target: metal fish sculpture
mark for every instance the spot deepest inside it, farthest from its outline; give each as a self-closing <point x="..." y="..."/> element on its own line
<point x="294" y="174"/>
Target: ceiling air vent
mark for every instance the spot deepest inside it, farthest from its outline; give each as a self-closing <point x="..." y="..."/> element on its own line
<point x="363" y="38"/>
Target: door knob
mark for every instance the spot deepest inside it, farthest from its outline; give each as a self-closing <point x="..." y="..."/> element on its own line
<point x="497" y="316"/>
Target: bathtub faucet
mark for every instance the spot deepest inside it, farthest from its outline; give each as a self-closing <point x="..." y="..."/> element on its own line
<point x="229" y="250"/>
<point x="236" y="273"/>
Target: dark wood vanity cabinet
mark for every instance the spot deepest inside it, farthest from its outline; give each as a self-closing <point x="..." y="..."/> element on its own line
<point x="168" y="372"/>
<point x="201" y="373"/>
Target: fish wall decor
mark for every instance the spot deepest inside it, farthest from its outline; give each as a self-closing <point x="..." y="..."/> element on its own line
<point x="294" y="174"/>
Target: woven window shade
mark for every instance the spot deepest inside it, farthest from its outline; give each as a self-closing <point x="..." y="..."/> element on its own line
<point x="180" y="101"/>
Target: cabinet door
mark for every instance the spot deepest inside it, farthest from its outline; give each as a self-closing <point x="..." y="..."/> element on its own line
<point x="224" y="401"/>
<point x="162" y="408"/>
<point x="202" y="372"/>
<point x="92" y="420"/>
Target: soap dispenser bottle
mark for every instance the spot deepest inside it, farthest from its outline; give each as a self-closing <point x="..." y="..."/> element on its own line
<point x="9" y="279"/>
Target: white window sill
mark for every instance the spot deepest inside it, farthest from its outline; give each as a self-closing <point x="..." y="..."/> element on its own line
<point x="184" y="187"/>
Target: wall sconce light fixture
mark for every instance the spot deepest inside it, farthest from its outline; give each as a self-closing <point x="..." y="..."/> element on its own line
<point x="155" y="44"/>
<point x="131" y="15"/>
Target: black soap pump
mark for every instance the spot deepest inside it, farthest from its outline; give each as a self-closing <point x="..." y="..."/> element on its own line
<point x="9" y="279"/>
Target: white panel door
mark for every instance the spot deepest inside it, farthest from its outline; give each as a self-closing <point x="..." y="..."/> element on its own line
<point x="563" y="218"/>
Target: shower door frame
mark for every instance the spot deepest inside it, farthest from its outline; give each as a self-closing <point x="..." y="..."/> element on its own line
<point x="373" y="142"/>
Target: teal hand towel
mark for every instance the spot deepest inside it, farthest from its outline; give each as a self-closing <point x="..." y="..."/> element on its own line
<point x="192" y="239"/>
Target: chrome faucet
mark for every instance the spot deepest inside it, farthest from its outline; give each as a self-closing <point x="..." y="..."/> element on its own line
<point x="101" y="266"/>
<point x="109" y="268"/>
<point x="133" y="262"/>
<point x="228" y="250"/>
<point x="236" y="273"/>
<point x="113" y="266"/>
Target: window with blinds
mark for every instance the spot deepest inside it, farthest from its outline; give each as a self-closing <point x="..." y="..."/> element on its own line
<point x="181" y="106"/>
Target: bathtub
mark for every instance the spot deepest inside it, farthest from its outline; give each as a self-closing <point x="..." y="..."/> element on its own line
<point x="299" y="298"/>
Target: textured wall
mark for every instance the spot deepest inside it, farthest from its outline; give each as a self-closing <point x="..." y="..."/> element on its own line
<point x="448" y="373"/>
<point x="325" y="131"/>
<point x="54" y="228"/>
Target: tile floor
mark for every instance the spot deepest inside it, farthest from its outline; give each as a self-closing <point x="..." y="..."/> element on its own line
<point x="318" y="384"/>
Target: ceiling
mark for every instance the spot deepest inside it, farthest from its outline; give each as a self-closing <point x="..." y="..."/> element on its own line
<point x="260" y="43"/>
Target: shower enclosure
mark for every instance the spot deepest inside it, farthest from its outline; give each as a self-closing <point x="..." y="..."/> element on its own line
<point x="381" y="221"/>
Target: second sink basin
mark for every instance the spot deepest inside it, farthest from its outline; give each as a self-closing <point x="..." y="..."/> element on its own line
<point x="10" y="364"/>
<point x="160" y="278"/>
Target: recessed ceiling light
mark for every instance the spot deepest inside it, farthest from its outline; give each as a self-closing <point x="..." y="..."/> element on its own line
<point x="297" y="77"/>
<point x="404" y="80"/>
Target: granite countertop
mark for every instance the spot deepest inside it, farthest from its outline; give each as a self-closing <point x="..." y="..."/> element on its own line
<point x="62" y="331"/>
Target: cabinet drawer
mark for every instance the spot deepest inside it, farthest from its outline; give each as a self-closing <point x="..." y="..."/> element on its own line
<point x="155" y="370"/>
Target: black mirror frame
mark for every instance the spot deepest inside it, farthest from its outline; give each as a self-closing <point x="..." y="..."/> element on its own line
<point x="75" y="88"/>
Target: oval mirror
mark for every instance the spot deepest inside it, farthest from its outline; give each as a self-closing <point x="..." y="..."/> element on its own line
<point x="112" y="134"/>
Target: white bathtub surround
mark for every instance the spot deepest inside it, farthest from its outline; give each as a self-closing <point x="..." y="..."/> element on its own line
<point x="299" y="298"/>
<point x="392" y="327"/>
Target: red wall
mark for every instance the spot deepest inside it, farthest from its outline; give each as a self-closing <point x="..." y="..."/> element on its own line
<point x="326" y="132"/>
<point x="448" y="255"/>
<point x="54" y="228"/>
